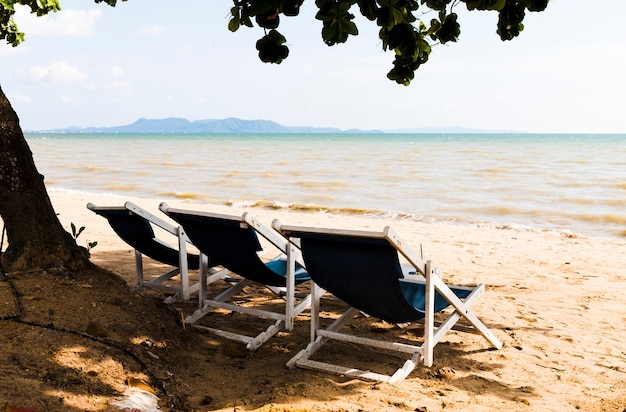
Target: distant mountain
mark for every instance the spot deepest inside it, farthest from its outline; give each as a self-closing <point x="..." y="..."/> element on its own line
<point x="235" y="125"/>
<point x="180" y="125"/>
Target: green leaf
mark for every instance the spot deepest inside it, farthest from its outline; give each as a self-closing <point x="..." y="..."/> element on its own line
<point x="343" y="8"/>
<point x="397" y="16"/>
<point x="537" y="5"/>
<point x="485" y="4"/>
<point x="498" y="5"/>
<point x="349" y="27"/>
<point x="235" y="22"/>
<point x="329" y="32"/>
<point x="245" y="20"/>
<point x="261" y="7"/>
<point x="7" y="5"/>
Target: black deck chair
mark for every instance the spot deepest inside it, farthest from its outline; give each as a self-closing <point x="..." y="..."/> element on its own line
<point x="233" y="241"/>
<point x="134" y="226"/>
<point x="363" y="269"/>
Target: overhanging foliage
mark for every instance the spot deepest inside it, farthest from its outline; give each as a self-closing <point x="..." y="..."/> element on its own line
<point x="409" y="28"/>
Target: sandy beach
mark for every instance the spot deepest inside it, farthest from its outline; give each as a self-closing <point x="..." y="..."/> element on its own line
<point x="556" y="301"/>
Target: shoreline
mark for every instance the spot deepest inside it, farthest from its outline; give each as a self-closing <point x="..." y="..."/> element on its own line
<point x="270" y="210"/>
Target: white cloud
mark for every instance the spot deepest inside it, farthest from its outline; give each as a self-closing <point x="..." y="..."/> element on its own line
<point x="20" y="98"/>
<point x="308" y="69"/>
<point x="57" y="72"/>
<point x="10" y="51"/>
<point x="151" y="30"/>
<point x="117" y="71"/>
<point x="119" y="88"/>
<point x="69" y="99"/>
<point x="75" y="23"/>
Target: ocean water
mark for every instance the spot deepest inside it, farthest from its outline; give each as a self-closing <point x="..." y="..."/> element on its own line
<point x="567" y="183"/>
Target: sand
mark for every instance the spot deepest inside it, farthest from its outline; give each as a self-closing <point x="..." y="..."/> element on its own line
<point x="556" y="301"/>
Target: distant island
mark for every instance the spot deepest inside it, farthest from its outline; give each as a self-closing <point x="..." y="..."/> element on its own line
<point x="235" y="125"/>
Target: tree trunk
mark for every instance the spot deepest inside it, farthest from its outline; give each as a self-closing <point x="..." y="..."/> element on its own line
<point x="36" y="239"/>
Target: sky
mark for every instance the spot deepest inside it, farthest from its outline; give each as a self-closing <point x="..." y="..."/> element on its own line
<point x="93" y="65"/>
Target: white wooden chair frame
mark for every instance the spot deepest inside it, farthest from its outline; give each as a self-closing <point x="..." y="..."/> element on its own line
<point x="283" y="320"/>
<point x="183" y="291"/>
<point x="426" y="274"/>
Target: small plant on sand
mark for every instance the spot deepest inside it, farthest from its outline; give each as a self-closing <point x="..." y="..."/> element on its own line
<point x="76" y="233"/>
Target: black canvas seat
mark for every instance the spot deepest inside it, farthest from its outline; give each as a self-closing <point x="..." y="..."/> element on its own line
<point x="135" y="226"/>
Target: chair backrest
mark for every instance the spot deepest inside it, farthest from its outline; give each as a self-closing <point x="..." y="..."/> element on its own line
<point x="363" y="269"/>
<point x="138" y="233"/>
<point x="229" y="241"/>
<point x="363" y="272"/>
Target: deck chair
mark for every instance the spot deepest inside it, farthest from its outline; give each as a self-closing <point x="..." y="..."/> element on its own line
<point x="233" y="241"/>
<point x="364" y="270"/>
<point x="134" y="226"/>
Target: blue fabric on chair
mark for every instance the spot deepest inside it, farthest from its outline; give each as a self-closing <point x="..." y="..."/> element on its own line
<point x="234" y="247"/>
<point x="366" y="273"/>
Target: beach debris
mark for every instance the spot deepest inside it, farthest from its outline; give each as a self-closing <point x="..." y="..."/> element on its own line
<point x="522" y="400"/>
<point x="445" y="373"/>
<point x="137" y="397"/>
<point x="19" y="409"/>
<point x="56" y="269"/>
<point x="139" y="384"/>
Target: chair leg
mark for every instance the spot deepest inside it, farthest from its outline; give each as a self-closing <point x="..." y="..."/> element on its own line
<point x="429" y="319"/>
<point x="204" y="268"/>
<point x="406" y="369"/>
<point x="291" y="285"/>
<point x="317" y="340"/>
<point x="462" y="309"/>
<point x="183" y="265"/>
<point x="139" y="268"/>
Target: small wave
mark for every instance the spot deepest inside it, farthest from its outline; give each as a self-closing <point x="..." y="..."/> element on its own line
<point x="322" y="185"/>
<point x="605" y="218"/>
<point x="242" y="203"/>
<point x="91" y="168"/>
<point x="592" y="201"/>
<point x="499" y="211"/>
<point x="496" y="170"/>
<point x="305" y="207"/>
<point x="121" y="188"/>
<point x="183" y="195"/>
<point x="574" y="161"/>
<point x="621" y="186"/>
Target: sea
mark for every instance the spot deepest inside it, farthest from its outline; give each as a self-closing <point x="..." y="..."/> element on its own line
<point x="569" y="183"/>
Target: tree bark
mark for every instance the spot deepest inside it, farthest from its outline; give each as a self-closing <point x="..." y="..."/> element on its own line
<point x="36" y="238"/>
